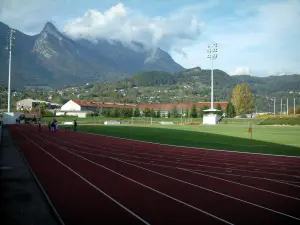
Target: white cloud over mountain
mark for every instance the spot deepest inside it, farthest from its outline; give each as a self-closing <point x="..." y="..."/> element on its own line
<point x="121" y="23"/>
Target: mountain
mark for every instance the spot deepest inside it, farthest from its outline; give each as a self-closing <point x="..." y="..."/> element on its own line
<point x="191" y="85"/>
<point x="53" y="58"/>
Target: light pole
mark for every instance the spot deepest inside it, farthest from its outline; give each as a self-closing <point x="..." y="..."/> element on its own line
<point x="10" y="45"/>
<point x="212" y="54"/>
<point x="294" y="106"/>
<point x="274" y="105"/>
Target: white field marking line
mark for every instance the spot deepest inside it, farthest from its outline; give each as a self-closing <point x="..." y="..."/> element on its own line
<point x="200" y="187"/>
<point x="187" y="170"/>
<point x="198" y="165"/>
<point x="189" y="157"/>
<point x="260" y="189"/>
<point x="134" y="181"/>
<point x="197" y="186"/>
<point x="207" y="153"/>
<point x="251" y="171"/>
<point x="125" y="153"/>
<point x="210" y="149"/>
<point x="98" y="189"/>
<point x="171" y="167"/>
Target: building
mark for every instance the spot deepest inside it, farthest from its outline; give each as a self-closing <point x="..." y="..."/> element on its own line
<point x="28" y="104"/>
<point x="181" y="106"/>
<point x="81" y="107"/>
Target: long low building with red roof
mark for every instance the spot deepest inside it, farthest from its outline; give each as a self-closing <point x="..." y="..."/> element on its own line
<point x="81" y="107"/>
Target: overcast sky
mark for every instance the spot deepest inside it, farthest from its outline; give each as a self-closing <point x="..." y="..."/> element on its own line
<point x="257" y="37"/>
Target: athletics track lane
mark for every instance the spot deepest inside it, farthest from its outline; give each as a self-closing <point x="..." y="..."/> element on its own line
<point x="158" y="208"/>
<point x="188" y="198"/>
<point x="242" y="177"/>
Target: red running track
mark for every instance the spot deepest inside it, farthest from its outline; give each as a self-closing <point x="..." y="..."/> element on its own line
<point x="93" y="179"/>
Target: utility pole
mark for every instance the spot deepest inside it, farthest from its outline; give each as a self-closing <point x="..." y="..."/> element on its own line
<point x="9" y="47"/>
<point x="212" y="54"/>
<point x="294" y="106"/>
<point x="274" y="106"/>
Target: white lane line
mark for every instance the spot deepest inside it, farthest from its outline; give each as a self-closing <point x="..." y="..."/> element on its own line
<point x="152" y="189"/>
<point x="200" y="187"/>
<point x="215" y="167"/>
<point x="209" y="160"/>
<point x="260" y="189"/>
<point x="188" y="170"/>
<point x="205" y="155"/>
<point x="205" y="149"/>
<point x="185" y="182"/>
<point x="98" y="189"/>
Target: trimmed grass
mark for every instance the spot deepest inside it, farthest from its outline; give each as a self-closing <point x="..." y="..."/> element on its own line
<point x="266" y="139"/>
<point x="281" y="121"/>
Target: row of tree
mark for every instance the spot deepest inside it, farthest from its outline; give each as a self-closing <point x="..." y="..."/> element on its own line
<point x="149" y="112"/>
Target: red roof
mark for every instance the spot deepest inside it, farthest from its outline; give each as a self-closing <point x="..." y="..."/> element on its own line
<point x="160" y="106"/>
<point x="181" y="105"/>
<point x="97" y="104"/>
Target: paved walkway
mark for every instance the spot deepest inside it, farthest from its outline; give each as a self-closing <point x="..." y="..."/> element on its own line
<point x="21" y="199"/>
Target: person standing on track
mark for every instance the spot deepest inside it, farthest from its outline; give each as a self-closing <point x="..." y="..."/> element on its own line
<point x="40" y="125"/>
<point x="49" y="126"/>
<point x="75" y="125"/>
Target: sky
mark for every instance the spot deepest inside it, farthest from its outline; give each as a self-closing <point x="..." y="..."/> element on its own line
<point x="256" y="37"/>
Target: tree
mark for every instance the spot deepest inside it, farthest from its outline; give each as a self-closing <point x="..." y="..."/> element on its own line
<point x="169" y="114"/>
<point x="201" y="110"/>
<point x="158" y="114"/>
<point x="194" y="111"/>
<point x="230" y="111"/>
<point x="152" y="113"/>
<point x="186" y="113"/>
<point x="146" y="112"/>
<point x="219" y="113"/>
<point x="174" y="112"/>
<point x="242" y="99"/>
<point x="137" y="112"/>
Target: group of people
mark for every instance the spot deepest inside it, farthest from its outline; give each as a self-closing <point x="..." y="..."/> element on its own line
<point x="53" y="126"/>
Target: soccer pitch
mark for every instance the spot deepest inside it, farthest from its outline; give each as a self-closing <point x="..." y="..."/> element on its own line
<point x="281" y="140"/>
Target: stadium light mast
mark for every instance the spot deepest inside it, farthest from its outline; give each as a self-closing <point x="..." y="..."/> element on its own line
<point x="294" y="106"/>
<point x="212" y="54"/>
<point x="274" y="105"/>
<point x="10" y="46"/>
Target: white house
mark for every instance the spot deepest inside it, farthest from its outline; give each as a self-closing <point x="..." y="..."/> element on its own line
<point x="81" y="107"/>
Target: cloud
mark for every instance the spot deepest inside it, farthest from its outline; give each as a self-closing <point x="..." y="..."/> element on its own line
<point x="262" y="35"/>
<point x="120" y="23"/>
<point x="241" y="71"/>
<point x="28" y="15"/>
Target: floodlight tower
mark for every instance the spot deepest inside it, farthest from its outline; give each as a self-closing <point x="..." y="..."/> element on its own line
<point x="212" y="54"/>
<point x="11" y="37"/>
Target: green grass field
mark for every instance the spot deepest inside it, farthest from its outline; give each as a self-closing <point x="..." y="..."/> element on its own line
<point x="281" y="140"/>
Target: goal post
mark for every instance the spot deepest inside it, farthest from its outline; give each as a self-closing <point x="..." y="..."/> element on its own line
<point x="141" y="120"/>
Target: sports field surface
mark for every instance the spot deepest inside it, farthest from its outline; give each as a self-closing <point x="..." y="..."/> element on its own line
<point x="94" y="179"/>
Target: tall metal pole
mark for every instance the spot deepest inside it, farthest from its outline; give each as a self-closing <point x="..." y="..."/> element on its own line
<point x="287" y="106"/>
<point x="11" y="31"/>
<point x="274" y="106"/>
<point x="294" y="106"/>
<point x="212" y="54"/>
<point x="212" y="85"/>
